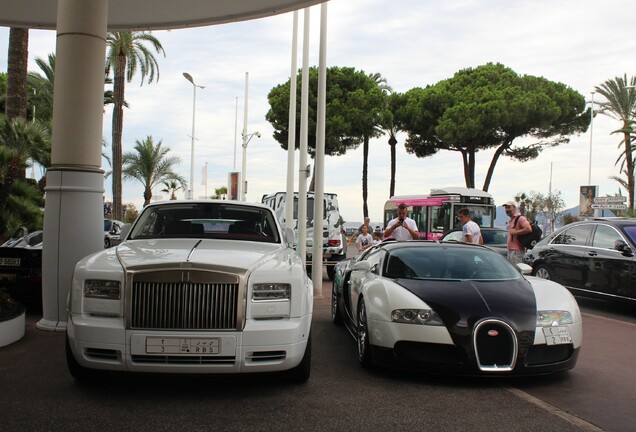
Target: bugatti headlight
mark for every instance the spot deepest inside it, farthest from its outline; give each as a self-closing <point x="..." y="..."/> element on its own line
<point x="271" y="291"/>
<point x="416" y="316"/>
<point x="102" y="289"/>
<point x="547" y="318"/>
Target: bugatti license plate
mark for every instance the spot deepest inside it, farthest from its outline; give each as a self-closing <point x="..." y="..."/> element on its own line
<point x="188" y="346"/>
<point x="557" y="335"/>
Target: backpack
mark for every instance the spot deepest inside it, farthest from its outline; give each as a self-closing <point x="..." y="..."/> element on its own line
<point x="529" y="240"/>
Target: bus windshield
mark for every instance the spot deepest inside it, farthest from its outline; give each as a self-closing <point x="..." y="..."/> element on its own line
<point x="436" y="213"/>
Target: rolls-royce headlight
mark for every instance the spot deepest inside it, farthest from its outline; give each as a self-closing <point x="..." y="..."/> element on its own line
<point x="416" y="316"/>
<point x="547" y="318"/>
<point x="271" y="291"/>
<point x="102" y="289"/>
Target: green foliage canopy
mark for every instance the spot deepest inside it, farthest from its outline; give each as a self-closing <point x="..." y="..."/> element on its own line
<point x="354" y="102"/>
<point x="489" y="107"/>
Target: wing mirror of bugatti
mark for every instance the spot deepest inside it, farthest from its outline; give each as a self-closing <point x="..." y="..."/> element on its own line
<point x="623" y="248"/>
<point x="364" y="266"/>
<point x="524" y="268"/>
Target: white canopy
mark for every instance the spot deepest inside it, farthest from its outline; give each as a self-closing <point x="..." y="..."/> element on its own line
<point x="124" y="15"/>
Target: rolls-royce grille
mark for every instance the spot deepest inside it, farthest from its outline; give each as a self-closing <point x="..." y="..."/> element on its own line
<point x="184" y="306"/>
<point x="496" y="346"/>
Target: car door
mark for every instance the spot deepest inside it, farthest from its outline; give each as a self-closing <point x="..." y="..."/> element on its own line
<point x="360" y="277"/>
<point x="567" y="256"/>
<point x="610" y="271"/>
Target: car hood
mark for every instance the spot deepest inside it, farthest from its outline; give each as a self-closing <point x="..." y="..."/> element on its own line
<point x="461" y="304"/>
<point x="218" y="253"/>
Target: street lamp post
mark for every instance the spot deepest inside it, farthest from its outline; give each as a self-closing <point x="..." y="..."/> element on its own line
<point x="194" y="101"/>
<point x="589" y="169"/>
<point x="246" y="139"/>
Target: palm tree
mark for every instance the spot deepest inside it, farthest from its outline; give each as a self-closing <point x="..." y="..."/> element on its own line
<point x="127" y="55"/>
<point x="620" y="104"/>
<point x="150" y="166"/>
<point x="171" y="187"/>
<point x="22" y="140"/>
<point x="220" y="193"/>
<point x="20" y="199"/>
<point x="522" y="201"/>
<point x="16" y="102"/>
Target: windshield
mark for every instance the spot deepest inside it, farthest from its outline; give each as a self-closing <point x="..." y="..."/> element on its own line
<point x="473" y="263"/>
<point x="631" y="233"/>
<point x="206" y="220"/>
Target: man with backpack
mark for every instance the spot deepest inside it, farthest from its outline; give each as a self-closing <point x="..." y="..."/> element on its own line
<point x="517" y="225"/>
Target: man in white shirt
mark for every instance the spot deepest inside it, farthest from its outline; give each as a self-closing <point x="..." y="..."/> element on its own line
<point x="402" y="227"/>
<point x="471" y="233"/>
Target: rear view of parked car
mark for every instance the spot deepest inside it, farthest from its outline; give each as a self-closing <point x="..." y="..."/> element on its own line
<point x="592" y="258"/>
<point x="195" y="287"/>
<point x="21" y="267"/>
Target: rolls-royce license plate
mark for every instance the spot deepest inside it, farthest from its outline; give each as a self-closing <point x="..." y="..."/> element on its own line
<point x="187" y="346"/>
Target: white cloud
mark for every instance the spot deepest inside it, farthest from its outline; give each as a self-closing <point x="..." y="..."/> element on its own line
<point x="412" y="44"/>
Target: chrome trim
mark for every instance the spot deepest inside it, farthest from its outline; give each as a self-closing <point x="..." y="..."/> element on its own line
<point x="515" y="347"/>
<point x="184" y="299"/>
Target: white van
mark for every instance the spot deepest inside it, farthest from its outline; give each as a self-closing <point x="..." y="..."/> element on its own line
<point x="334" y="247"/>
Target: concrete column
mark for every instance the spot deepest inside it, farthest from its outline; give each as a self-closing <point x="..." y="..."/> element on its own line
<point x="73" y="217"/>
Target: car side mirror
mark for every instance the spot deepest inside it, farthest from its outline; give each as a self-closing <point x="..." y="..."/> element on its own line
<point x="124" y="231"/>
<point x="289" y="237"/>
<point x="524" y="268"/>
<point x="362" y="266"/>
<point x="623" y="248"/>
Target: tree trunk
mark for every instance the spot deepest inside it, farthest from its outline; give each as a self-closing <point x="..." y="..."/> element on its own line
<point x="16" y="101"/>
<point x="493" y="163"/>
<point x="467" y="179"/>
<point x="17" y="62"/>
<point x="392" y="143"/>
<point x="147" y="195"/>
<point x="365" y="168"/>
<point x="629" y="159"/>
<point x="119" y="82"/>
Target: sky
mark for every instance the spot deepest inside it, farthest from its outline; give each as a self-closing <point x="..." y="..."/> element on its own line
<point x="411" y="43"/>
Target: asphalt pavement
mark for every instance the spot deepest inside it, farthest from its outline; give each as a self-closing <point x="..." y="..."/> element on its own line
<point x="38" y="394"/>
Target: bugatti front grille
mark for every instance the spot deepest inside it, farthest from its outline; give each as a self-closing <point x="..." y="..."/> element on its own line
<point x="495" y="345"/>
<point x="184" y="306"/>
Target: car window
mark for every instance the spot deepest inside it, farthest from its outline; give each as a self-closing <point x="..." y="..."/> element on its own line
<point x="206" y="220"/>
<point x="575" y="236"/>
<point x="448" y="263"/>
<point x="453" y="236"/>
<point x="495" y="237"/>
<point x="373" y="258"/>
<point x="631" y="233"/>
<point x="605" y="236"/>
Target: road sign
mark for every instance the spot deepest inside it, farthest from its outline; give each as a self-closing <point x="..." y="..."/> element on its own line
<point x="609" y="206"/>
<point x="610" y="199"/>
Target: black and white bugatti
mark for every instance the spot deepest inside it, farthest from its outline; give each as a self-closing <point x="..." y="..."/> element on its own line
<point x="454" y="308"/>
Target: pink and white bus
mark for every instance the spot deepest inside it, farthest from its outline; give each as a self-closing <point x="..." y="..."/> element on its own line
<point x="436" y="213"/>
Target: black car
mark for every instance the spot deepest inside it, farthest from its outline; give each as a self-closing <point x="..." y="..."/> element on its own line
<point x="494" y="238"/>
<point x="21" y="267"/>
<point x="593" y="258"/>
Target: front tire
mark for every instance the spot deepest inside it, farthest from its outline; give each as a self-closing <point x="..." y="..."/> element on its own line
<point x="336" y="315"/>
<point x="362" y="336"/>
<point x="544" y="272"/>
<point x="106" y="242"/>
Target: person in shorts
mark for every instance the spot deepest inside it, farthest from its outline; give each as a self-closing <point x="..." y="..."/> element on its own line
<point x="518" y="224"/>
